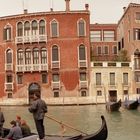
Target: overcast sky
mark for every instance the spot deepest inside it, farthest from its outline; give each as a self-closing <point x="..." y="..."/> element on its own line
<point x="102" y="11"/>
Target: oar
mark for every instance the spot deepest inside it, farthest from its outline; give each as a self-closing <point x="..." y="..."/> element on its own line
<point x="67" y="125"/>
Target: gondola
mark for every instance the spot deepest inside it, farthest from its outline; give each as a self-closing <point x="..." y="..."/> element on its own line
<point x="113" y="106"/>
<point x="101" y="134"/>
<point x="131" y="104"/>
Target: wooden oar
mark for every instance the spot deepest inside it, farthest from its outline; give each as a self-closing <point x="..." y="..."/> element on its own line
<point x="67" y="125"/>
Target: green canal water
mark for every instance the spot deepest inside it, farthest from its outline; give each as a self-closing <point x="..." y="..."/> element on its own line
<point x="122" y="125"/>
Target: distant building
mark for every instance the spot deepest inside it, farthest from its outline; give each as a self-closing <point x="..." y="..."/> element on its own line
<point x="103" y="38"/>
<point x="47" y="52"/>
<point x="128" y="35"/>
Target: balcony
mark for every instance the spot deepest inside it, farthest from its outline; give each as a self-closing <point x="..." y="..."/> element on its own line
<point x="30" y="39"/>
<point x="82" y="64"/>
<point x="32" y="67"/>
<point x="83" y="84"/>
<point x="55" y="65"/>
<point x="9" y="67"/>
<point x="55" y="85"/>
<point x="9" y="87"/>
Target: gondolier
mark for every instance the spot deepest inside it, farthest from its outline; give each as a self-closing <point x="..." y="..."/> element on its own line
<point x="39" y="108"/>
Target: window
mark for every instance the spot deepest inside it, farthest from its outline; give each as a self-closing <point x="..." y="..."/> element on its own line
<point x="112" y="78"/>
<point x="56" y="94"/>
<point x="137" y="76"/>
<point x="44" y="78"/>
<point x="137" y="63"/>
<point x="34" y="27"/>
<point x="43" y="56"/>
<point x="55" y="56"/>
<point x="27" y="56"/>
<point x="27" y="28"/>
<point x="114" y="50"/>
<point x="35" y="56"/>
<point x="109" y="36"/>
<point x="42" y="27"/>
<point x="83" y="93"/>
<point x="125" y="78"/>
<point x="9" y="78"/>
<point x="105" y="50"/>
<point x="138" y="90"/>
<point x="19" y="29"/>
<point x="7" y="33"/>
<point x="125" y="92"/>
<point x="9" y="95"/>
<point x="136" y="34"/>
<point x="83" y="76"/>
<point x="8" y="56"/>
<point x="95" y="36"/>
<point x="19" y="79"/>
<point x="55" y="77"/>
<point x="98" y="78"/>
<point x="82" y="52"/>
<point x="54" y="28"/>
<point x="99" y="93"/>
<point x="81" y="28"/>
<point x="99" y="50"/>
<point x="137" y="15"/>
<point x="20" y="56"/>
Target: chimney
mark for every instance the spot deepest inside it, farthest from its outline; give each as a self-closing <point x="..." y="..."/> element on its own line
<point x="67" y="5"/>
<point x="86" y="6"/>
<point x="25" y="11"/>
<point x="124" y="9"/>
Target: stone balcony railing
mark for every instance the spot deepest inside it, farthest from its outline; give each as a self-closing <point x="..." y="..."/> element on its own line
<point x="30" y="39"/>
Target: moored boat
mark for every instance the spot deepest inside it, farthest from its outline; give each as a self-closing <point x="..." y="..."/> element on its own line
<point x="113" y="106"/>
<point x="101" y="134"/>
<point x="131" y="104"/>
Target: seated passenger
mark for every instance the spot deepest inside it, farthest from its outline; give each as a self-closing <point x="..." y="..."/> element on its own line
<point x="15" y="132"/>
<point x="25" y="129"/>
<point x="18" y="120"/>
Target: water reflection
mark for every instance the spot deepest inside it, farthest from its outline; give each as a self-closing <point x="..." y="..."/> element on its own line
<point x="122" y="125"/>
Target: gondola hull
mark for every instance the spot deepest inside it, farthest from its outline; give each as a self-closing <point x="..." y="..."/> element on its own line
<point x="101" y="134"/>
<point x="131" y="104"/>
<point x="113" y="106"/>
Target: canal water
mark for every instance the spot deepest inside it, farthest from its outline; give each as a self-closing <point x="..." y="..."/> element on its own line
<point x="122" y="125"/>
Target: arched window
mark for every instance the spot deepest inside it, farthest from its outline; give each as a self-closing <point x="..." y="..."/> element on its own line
<point x="42" y="27"/>
<point x="27" y="56"/>
<point x="54" y="28"/>
<point x="27" y="28"/>
<point x="20" y="57"/>
<point x="9" y="56"/>
<point x="35" y="56"/>
<point x="43" y="56"/>
<point x="82" y="52"/>
<point x="55" y="56"/>
<point x="7" y="33"/>
<point x="20" y="29"/>
<point x="81" y="27"/>
<point x="34" y="27"/>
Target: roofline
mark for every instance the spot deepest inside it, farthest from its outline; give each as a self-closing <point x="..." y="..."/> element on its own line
<point x="130" y="5"/>
<point x="44" y="13"/>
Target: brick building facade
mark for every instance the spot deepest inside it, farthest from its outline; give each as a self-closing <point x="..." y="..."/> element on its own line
<point x="47" y="52"/>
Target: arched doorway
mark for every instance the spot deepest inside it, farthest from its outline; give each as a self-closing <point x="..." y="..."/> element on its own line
<point x="33" y="87"/>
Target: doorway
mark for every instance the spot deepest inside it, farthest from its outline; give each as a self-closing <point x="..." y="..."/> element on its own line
<point x="33" y="87"/>
<point x="113" y="96"/>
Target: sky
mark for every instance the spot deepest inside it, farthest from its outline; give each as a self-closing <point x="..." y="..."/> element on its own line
<point x="101" y="11"/>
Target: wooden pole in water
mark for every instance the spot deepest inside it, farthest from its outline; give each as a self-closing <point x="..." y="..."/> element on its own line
<point x="64" y="124"/>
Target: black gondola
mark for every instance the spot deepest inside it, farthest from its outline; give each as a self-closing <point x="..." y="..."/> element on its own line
<point x="113" y="106"/>
<point x="101" y="134"/>
<point x="131" y="104"/>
